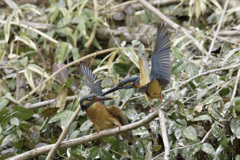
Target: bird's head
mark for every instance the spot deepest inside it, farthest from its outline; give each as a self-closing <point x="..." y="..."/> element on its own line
<point x="127" y="83"/>
<point x="88" y="100"/>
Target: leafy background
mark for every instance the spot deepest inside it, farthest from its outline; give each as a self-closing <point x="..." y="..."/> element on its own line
<point x="202" y="103"/>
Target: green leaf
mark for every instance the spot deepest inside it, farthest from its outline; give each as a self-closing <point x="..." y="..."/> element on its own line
<point x="75" y="53"/>
<point x="29" y="77"/>
<point x="177" y="53"/>
<point x="22" y="113"/>
<point x="129" y="52"/>
<point x="237" y="157"/>
<point x="82" y="27"/>
<point x="69" y="82"/>
<point x="191" y="69"/>
<point x="208" y="148"/>
<point x="178" y="133"/>
<point x="104" y="155"/>
<point x="110" y="139"/>
<point x="30" y="7"/>
<point x="62" y="52"/>
<point x="224" y="143"/>
<point x="27" y="41"/>
<point x="237" y="105"/>
<point x="215" y="112"/>
<point x="65" y="118"/>
<point x="217" y="131"/>
<point x="235" y="126"/>
<point x="53" y="15"/>
<point x="86" y="125"/>
<point x="190" y="133"/>
<point x="94" y="152"/>
<point x="203" y="118"/>
<point x="2" y="52"/>
<point x="178" y="67"/>
<point x="35" y="68"/>
<point x="9" y="138"/>
<point x="212" y="99"/>
<point x="14" y="121"/>
<point x="118" y="146"/>
<point x="3" y="102"/>
<point x="8" y="24"/>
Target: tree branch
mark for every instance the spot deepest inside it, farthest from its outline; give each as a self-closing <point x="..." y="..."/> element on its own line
<point x="216" y="33"/>
<point x="60" y="139"/>
<point x="88" y="138"/>
<point x="164" y="134"/>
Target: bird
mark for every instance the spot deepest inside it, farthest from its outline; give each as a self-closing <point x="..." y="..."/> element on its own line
<point x="103" y="117"/>
<point x="160" y="74"/>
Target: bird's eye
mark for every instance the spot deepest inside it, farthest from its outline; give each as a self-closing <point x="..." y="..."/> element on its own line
<point x="90" y="99"/>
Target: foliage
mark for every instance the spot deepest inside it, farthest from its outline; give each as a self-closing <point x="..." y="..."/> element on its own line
<point x="203" y="118"/>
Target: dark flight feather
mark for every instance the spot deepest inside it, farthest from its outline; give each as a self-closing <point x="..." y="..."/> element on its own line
<point x="161" y="69"/>
<point x="91" y="80"/>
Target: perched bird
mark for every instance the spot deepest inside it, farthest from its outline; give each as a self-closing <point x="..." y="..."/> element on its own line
<point x="160" y="71"/>
<point x="103" y="117"/>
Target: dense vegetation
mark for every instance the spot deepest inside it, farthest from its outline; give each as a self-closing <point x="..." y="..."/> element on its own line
<point x="37" y="100"/>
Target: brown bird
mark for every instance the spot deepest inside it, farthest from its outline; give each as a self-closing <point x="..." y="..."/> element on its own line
<point x="160" y="71"/>
<point x="103" y="117"/>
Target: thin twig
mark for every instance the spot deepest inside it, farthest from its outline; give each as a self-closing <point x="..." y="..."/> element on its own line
<point x="89" y="42"/>
<point x="164" y="134"/>
<point x="83" y="140"/>
<point x="216" y="33"/>
<point x="60" y="139"/>
<point x="47" y="102"/>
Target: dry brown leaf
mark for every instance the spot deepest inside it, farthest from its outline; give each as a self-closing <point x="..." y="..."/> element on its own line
<point x="61" y="100"/>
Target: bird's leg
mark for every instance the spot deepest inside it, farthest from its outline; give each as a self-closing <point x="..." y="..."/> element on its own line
<point x="117" y="124"/>
<point x="160" y="98"/>
<point x="151" y="107"/>
<point x="98" y="130"/>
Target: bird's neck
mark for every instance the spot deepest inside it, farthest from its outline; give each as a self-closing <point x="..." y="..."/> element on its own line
<point x="88" y="105"/>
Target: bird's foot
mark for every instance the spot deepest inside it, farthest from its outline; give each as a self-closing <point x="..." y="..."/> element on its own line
<point x="160" y="98"/>
<point x="119" y="126"/>
<point x="151" y="108"/>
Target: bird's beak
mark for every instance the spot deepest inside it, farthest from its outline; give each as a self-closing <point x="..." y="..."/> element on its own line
<point x="112" y="90"/>
<point x="102" y="98"/>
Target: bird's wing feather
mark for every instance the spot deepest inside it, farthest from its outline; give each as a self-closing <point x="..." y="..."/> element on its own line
<point x="144" y="70"/>
<point x="91" y="80"/>
<point x="161" y="68"/>
<point x="117" y="113"/>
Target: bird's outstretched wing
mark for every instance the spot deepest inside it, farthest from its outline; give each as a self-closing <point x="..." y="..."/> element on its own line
<point x="117" y="113"/>
<point x="91" y="80"/>
<point x="161" y="69"/>
<point x="144" y="68"/>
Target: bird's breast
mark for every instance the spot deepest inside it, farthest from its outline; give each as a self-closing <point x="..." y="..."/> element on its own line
<point x="154" y="89"/>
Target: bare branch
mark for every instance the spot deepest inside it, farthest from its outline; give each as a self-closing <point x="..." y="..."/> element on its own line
<point x="81" y="140"/>
<point x="216" y="33"/>
<point x="164" y="134"/>
<point x="60" y="139"/>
